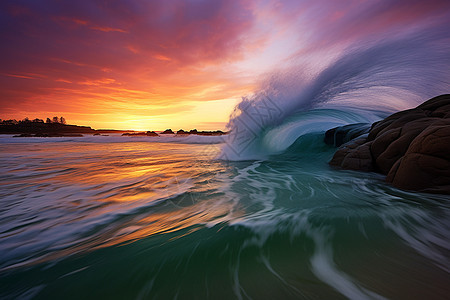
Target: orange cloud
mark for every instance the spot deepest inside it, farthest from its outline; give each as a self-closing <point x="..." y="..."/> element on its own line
<point x="103" y="81"/>
<point x="168" y="62"/>
<point x="20" y="76"/>
<point x="161" y="57"/>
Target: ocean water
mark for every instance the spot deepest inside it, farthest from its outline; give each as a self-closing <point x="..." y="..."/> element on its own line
<point x="256" y="214"/>
<point x="141" y="218"/>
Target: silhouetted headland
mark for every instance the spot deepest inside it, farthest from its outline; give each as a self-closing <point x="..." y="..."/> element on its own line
<point x="55" y="127"/>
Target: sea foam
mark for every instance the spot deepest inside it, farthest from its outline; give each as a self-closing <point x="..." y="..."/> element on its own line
<point x="368" y="81"/>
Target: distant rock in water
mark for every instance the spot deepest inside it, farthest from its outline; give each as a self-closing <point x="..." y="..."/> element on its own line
<point x="167" y="131"/>
<point x="181" y="131"/>
<point x="151" y="133"/>
<point x="148" y="133"/>
<point x="411" y="147"/>
<point x="215" y="133"/>
<point x="343" y="134"/>
<point x="196" y="132"/>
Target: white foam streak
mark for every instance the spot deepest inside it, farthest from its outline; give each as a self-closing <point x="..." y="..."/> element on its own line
<point x="325" y="269"/>
<point x="430" y="238"/>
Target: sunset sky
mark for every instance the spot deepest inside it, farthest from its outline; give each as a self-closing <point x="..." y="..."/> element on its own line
<point x="152" y="65"/>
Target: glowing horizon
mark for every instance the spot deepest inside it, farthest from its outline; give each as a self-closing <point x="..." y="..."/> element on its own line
<point x="183" y="64"/>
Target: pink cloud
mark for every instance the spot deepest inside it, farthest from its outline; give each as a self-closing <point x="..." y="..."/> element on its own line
<point x="166" y="51"/>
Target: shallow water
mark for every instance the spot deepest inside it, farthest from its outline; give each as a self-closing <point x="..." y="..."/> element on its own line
<point x="144" y="220"/>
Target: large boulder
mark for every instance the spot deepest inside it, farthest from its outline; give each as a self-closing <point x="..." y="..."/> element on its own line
<point x="354" y="156"/>
<point x="411" y="147"/>
<point x="426" y="164"/>
<point x="343" y="134"/>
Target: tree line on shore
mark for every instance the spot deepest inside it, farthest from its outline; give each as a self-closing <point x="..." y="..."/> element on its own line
<point x="28" y="127"/>
<point x="54" y="120"/>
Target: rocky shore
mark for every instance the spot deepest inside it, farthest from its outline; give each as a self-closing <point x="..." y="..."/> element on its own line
<point x="41" y="129"/>
<point x="411" y="147"/>
<point x="180" y="132"/>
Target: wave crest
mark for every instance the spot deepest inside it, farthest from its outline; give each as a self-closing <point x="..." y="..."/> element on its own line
<point x="364" y="84"/>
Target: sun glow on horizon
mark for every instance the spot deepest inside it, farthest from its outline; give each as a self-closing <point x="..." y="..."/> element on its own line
<point x="184" y="64"/>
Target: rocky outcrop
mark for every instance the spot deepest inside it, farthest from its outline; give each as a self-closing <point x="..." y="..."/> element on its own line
<point x="343" y="134"/>
<point x="354" y="156"/>
<point x="215" y="133"/>
<point x="180" y="132"/>
<point x="148" y="133"/>
<point x="151" y="133"/>
<point x="411" y="147"/>
<point x="167" y="131"/>
<point x="196" y="132"/>
<point x="426" y="164"/>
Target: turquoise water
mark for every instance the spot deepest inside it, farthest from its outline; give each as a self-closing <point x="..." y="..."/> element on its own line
<point x="135" y="219"/>
<point x="162" y="218"/>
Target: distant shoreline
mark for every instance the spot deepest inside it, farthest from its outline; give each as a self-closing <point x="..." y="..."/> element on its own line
<point x="39" y="129"/>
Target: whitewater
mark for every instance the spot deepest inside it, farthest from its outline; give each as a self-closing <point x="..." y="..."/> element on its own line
<point x="163" y="220"/>
<point x="255" y="214"/>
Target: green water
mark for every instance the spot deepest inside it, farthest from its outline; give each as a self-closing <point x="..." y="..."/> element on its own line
<point x="141" y="220"/>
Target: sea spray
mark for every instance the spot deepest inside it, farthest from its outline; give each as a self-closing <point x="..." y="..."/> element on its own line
<point x="368" y="79"/>
<point x="144" y="217"/>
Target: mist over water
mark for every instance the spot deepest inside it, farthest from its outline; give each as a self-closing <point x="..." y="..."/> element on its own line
<point x="366" y="82"/>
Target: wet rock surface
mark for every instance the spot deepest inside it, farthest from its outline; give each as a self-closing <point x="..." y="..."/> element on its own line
<point x="411" y="147"/>
<point x="343" y="134"/>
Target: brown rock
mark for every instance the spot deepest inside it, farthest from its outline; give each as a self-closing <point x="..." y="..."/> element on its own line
<point x="340" y="135"/>
<point x="384" y="140"/>
<point x="412" y="147"/>
<point x="426" y="164"/>
<point x="359" y="159"/>
<point x="393" y="152"/>
<point x="354" y="155"/>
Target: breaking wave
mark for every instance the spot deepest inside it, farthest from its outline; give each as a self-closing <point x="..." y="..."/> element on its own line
<point x="364" y="84"/>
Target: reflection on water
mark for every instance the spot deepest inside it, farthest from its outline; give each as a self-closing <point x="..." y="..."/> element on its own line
<point x="167" y="220"/>
<point x="67" y="197"/>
